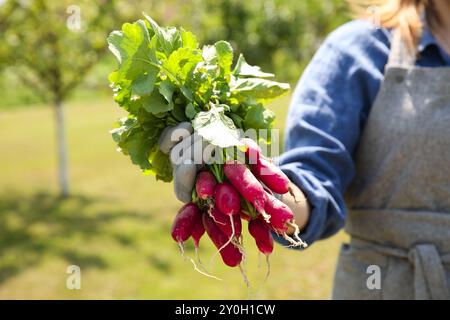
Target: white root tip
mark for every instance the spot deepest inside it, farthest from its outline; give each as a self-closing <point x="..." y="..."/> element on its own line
<point x="268" y="267"/>
<point x="297" y="233"/>
<point x="180" y="245"/>
<point x="244" y="276"/>
<point x="202" y="272"/>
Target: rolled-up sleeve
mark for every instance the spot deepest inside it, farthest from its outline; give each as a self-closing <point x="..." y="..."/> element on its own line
<point x="325" y="119"/>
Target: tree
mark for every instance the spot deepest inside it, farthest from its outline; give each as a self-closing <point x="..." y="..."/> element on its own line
<point x="279" y="35"/>
<point x="52" y="45"/>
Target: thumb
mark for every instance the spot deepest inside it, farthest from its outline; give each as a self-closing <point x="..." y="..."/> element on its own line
<point x="184" y="180"/>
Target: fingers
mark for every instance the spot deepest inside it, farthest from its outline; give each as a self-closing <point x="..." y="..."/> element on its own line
<point x="186" y="151"/>
<point x="192" y="149"/>
<point x="173" y="135"/>
<point x="296" y="200"/>
<point x="183" y="151"/>
<point x="184" y="180"/>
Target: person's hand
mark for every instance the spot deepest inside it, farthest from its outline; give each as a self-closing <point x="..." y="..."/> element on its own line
<point x="188" y="152"/>
<point x="299" y="205"/>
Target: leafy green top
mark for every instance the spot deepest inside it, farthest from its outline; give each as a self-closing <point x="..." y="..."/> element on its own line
<point x="164" y="78"/>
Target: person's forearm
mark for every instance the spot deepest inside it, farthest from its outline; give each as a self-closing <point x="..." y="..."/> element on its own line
<point x="299" y="206"/>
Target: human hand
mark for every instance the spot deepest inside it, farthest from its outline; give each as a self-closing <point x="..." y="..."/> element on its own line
<point x="188" y="152"/>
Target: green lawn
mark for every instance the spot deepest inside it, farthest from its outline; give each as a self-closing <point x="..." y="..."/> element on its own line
<point x="116" y="224"/>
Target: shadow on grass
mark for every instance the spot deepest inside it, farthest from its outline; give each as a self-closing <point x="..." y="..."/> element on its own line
<point x="38" y="225"/>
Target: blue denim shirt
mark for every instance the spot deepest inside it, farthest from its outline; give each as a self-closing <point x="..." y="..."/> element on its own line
<point x="328" y="111"/>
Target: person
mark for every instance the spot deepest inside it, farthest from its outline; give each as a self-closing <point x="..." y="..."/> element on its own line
<point x="367" y="145"/>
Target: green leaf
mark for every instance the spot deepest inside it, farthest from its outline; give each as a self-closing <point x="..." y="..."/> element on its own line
<point x="178" y="113"/>
<point x="188" y="39"/>
<point x="166" y="88"/>
<point x="143" y="85"/>
<point x="216" y="128"/>
<point x="156" y="103"/>
<point x="169" y="39"/>
<point x="201" y="83"/>
<point x="130" y="46"/>
<point x="238" y="121"/>
<point x="209" y="54"/>
<point x="255" y="90"/>
<point x="135" y="142"/>
<point x="161" y="166"/>
<point x="224" y="53"/>
<point x="181" y="62"/>
<point x="258" y="117"/>
<point x="243" y="69"/>
<point x="122" y="125"/>
<point x="190" y="111"/>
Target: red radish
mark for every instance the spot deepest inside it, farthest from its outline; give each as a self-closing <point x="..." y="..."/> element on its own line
<point x="224" y="223"/>
<point x="198" y="231"/>
<point x="230" y="254"/>
<point x="205" y="185"/>
<point x="184" y="222"/>
<point x="245" y="216"/>
<point x="227" y="199"/>
<point x="253" y="151"/>
<point x="280" y="213"/>
<point x="246" y="183"/>
<point x="263" y="238"/>
<point x="271" y="175"/>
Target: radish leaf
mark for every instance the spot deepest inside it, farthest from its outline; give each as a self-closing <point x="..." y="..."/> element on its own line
<point x="216" y="128"/>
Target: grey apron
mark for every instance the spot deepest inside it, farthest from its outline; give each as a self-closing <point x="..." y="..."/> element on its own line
<point x="399" y="200"/>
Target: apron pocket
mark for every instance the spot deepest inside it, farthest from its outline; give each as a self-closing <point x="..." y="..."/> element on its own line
<point x="359" y="274"/>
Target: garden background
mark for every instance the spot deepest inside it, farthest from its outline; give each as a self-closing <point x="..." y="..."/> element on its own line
<point x="114" y="222"/>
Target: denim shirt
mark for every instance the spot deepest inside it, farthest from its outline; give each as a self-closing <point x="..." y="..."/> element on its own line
<point x="328" y="111"/>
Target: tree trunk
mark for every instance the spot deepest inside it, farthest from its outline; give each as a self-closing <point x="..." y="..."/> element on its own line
<point x="62" y="149"/>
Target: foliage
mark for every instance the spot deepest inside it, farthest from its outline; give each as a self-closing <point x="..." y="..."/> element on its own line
<point x="279" y="35"/>
<point x="164" y="78"/>
<point x="51" y="52"/>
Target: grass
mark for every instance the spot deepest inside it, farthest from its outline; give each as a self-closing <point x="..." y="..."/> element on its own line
<point x="115" y="227"/>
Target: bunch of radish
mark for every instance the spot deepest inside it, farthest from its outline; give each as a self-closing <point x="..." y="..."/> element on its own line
<point x="164" y="78"/>
<point x="226" y="195"/>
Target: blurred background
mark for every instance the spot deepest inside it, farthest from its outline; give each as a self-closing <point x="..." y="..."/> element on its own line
<point x="100" y="213"/>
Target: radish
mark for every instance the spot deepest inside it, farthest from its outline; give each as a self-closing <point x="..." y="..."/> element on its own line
<point x="247" y="185"/>
<point x="188" y="222"/>
<point x="224" y="223"/>
<point x="198" y="231"/>
<point x="230" y="254"/>
<point x="281" y="218"/>
<point x="253" y="151"/>
<point x="280" y="213"/>
<point x="271" y="175"/>
<point x="184" y="222"/>
<point x="227" y="199"/>
<point x="263" y="238"/>
<point x="205" y="185"/>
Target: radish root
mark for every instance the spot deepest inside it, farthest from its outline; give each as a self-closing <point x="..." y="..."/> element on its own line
<point x="185" y="257"/>
<point x="297" y="233"/>
<point x="268" y="268"/>
<point x="244" y="276"/>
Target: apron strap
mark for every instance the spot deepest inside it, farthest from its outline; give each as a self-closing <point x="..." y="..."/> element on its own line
<point x="430" y="280"/>
<point x="400" y="56"/>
